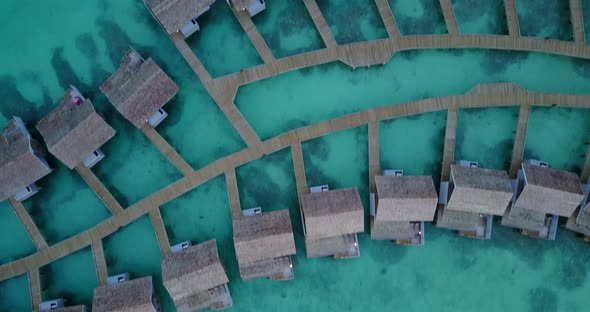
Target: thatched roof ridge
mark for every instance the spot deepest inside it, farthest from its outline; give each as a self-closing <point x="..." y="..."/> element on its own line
<point x="405" y="198"/>
<point x="550" y="191"/>
<point x="263" y="237"/>
<point x="19" y="164"/>
<point x="332" y="213"/>
<point x="192" y="271"/>
<point x="173" y="14"/>
<point x="72" y="132"/>
<point x="134" y="295"/>
<point x="139" y="88"/>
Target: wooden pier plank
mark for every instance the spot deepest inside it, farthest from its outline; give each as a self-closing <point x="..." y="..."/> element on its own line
<point x="100" y="262"/>
<point x="35" y="288"/>
<point x="512" y="17"/>
<point x="320" y="23"/>
<point x="29" y="224"/>
<point x="519" y="140"/>
<point x="577" y="18"/>
<point x="449" y="15"/>
<point x="233" y="193"/>
<point x="252" y="32"/>
<point x="450" y="138"/>
<point x="160" y="230"/>
<point x="101" y="191"/>
<point x="388" y="18"/>
<point x="299" y="167"/>
<point x="374" y="157"/>
<point x="164" y="147"/>
<point x="585" y="174"/>
<point x="190" y="57"/>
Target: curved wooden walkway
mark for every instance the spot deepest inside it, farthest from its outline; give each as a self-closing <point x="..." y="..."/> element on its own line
<point x="484" y="95"/>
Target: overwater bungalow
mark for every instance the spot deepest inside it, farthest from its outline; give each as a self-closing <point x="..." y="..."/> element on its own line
<point x="22" y="162"/>
<point x="139" y="89"/>
<point x="253" y="7"/>
<point x="178" y="15"/>
<point x="541" y="196"/>
<point x="57" y="305"/>
<point x="331" y="221"/>
<point x="194" y="277"/>
<point x="401" y="206"/>
<point x="122" y="294"/>
<point x="74" y="132"/>
<point x="264" y="244"/>
<point x="579" y="221"/>
<point x="471" y="198"/>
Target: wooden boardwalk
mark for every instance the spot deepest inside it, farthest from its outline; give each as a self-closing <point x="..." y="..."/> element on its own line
<point x="388" y="18"/>
<point x="28" y="224"/>
<point x="485" y="95"/>
<point x="299" y="167"/>
<point x="449" y="15"/>
<point x="233" y="193"/>
<point x="512" y="17"/>
<point x="35" y="288"/>
<point x="190" y="57"/>
<point x="320" y="23"/>
<point x="166" y="149"/>
<point x="374" y="159"/>
<point x="577" y="19"/>
<point x="585" y="174"/>
<point x="255" y="37"/>
<point x="100" y="262"/>
<point x="450" y="138"/>
<point x="240" y="123"/>
<point x="160" y="230"/>
<point x="101" y="191"/>
<point x="519" y="140"/>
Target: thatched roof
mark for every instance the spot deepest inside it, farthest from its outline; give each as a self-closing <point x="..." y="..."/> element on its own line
<point x="550" y="191"/>
<point x="405" y="198"/>
<point x="134" y="295"/>
<point x="78" y="308"/>
<point x="321" y="247"/>
<point x="480" y="190"/>
<point x="73" y="132"/>
<point x="173" y="14"/>
<point x="332" y="213"/>
<point x="263" y="268"/>
<point x="457" y="220"/>
<point x="19" y="165"/>
<point x="392" y="230"/>
<point x="263" y="237"/>
<point x="192" y="271"/>
<point x="524" y="219"/>
<point x="139" y="88"/>
<point x="580" y="220"/>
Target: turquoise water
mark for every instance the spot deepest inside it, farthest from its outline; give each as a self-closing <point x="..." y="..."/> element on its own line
<point x="449" y="273"/>
<point x="15" y="243"/>
<point x="480" y="17"/>
<point x="549" y="18"/>
<point x="418" y="17"/>
<point x="72" y="278"/>
<point x="352" y="20"/>
<point x="486" y="135"/>
<point x="288" y="29"/>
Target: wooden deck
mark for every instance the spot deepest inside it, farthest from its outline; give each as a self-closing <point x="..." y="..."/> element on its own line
<point x="101" y="191"/>
<point x="388" y="18"/>
<point x="166" y="149"/>
<point x="450" y="138"/>
<point x="577" y="19"/>
<point x="190" y="57"/>
<point x="35" y="288"/>
<point x="100" y="262"/>
<point x="160" y="230"/>
<point x="255" y="37"/>
<point x="449" y="15"/>
<point x="299" y="167"/>
<point x="512" y="18"/>
<point x="233" y="193"/>
<point x="320" y="23"/>
<point x="374" y="159"/>
<point x="519" y="140"/>
<point x="28" y="224"/>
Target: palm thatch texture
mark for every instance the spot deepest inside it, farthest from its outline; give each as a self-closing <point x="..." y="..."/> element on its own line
<point x="73" y="130"/>
<point x="135" y="295"/>
<point x="173" y="14"/>
<point x="21" y="159"/>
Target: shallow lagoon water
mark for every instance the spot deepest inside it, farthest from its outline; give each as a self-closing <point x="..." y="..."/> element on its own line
<point x="450" y="273"/>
